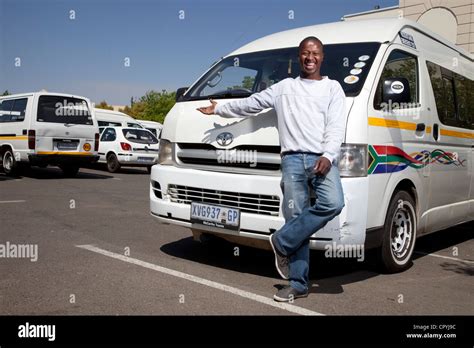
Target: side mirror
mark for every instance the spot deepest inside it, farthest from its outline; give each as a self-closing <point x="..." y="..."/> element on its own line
<point x="180" y="92"/>
<point x="396" y="90"/>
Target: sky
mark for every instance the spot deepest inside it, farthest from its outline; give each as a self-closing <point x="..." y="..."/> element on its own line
<point x="114" y="49"/>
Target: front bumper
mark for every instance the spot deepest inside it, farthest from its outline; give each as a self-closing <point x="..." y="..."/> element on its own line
<point x="347" y="228"/>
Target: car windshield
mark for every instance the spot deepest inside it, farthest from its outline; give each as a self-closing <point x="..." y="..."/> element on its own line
<point x="68" y="110"/>
<point x="241" y="75"/>
<point x="137" y="135"/>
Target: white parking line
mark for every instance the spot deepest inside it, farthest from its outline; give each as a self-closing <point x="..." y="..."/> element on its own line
<point x="443" y="257"/>
<point x="19" y="201"/>
<point x="251" y="296"/>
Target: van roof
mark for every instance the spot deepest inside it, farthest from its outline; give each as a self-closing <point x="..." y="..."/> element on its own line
<point x="19" y="95"/>
<point x="112" y="112"/>
<point x="365" y="30"/>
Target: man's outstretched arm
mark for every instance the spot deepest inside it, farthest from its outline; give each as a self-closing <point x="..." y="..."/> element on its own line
<point x="242" y="107"/>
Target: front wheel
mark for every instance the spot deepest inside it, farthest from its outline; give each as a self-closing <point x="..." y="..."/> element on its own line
<point x="399" y="233"/>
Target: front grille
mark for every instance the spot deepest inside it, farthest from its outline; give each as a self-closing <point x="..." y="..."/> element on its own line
<point x="246" y="202"/>
<point x="243" y="158"/>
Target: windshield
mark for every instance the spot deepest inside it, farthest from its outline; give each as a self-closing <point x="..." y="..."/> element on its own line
<point x="68" y="110"/>
<point x="242" y="75"/>
<point x="140" y="136"/>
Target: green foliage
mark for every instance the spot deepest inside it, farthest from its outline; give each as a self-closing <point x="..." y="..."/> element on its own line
<point x="6" y="92"/>
<point x="103" y="105"/>
<point x="153" y="106"/>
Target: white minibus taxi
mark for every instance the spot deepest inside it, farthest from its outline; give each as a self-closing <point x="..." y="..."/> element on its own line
<point x="111" y="118"/>
<point x="44" y="128"/>
<point x="406" y="161"/>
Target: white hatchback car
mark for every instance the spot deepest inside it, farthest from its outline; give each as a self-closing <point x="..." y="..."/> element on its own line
<point x="130" y="147"/>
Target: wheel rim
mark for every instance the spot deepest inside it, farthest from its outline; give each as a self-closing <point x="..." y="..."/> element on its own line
<point x="112" y="163"/>
<point x="403" y="227"/>
<point x="8" y="161"/>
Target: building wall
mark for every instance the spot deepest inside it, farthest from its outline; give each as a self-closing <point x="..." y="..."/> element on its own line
<point x="452" y="19"/>
<point x="462" y="10"/>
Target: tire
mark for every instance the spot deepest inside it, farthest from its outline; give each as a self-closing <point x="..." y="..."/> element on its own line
<point x="113" y="165"/>
<point x="399" y="234"/>
<point x="148" y="170"/>
<point x="69" y="171"/>
<point x="9" y="164"/>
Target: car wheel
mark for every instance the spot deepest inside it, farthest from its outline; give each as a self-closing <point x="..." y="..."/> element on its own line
<point x="399" y="233"/>
<point x="148" y="169"/>
<point x="10" y="165"/>
<point x="113" y="164"/>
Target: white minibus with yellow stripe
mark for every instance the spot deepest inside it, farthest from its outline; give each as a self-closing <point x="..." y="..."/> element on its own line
<point x="406" y="162"/>
<point x="42" y="129"/>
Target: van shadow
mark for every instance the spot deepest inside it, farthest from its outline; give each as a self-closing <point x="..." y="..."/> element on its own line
<point x="56" y="173"/>
<point x="448" y="239"/>
<point x="331" y="274"/>
<point x="124" y="170"/>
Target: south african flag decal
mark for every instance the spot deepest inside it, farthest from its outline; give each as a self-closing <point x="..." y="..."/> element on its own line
<point x="391" y="159"/>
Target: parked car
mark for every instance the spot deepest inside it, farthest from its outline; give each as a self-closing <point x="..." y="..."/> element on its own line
<point x="42" y="129"/>
<point x="129" y="147"/>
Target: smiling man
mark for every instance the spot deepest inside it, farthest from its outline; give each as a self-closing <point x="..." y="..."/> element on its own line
<point x="311" y="123"/>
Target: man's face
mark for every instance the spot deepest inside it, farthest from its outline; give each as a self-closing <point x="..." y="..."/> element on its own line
<point x="311" y="56"/>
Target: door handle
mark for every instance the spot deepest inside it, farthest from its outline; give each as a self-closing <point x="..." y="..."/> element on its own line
<point x="420" y="127"/>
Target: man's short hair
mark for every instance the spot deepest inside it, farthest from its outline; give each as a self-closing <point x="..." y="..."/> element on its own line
<point x="311" y="38"/>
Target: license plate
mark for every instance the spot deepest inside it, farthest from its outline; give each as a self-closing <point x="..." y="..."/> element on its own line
<point x="215" y="216"/>
<point x="70" y="145"/>
<point x="146" y="159"/>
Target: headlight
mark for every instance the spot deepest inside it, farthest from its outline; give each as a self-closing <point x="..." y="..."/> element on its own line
<point x="165" y="156"/>
<point x="353" y="160"/>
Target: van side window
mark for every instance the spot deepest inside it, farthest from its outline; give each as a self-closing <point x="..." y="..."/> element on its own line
<point x="5" y="110"/>
<point x="108" y="135"/>
<point x="399" y="64"/>
<point x="453" y="96"/>
<point x="18" y="110"/>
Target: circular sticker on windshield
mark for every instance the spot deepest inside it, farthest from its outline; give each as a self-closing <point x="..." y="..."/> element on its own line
<point x="359" y="65"/>
<point x="364" y="58"/>
<point x="356" y="71"/>
<point x="351" y="79"/>
<point x="397" y="87"/>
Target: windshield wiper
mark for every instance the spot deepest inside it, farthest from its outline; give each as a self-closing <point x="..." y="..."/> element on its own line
<point x="228" y="94"/>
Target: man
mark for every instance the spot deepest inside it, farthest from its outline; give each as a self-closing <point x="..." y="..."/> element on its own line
<point x="311" y="123"/>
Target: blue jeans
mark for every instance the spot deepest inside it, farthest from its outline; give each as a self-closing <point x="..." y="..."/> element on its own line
<point x="302" y="220"/>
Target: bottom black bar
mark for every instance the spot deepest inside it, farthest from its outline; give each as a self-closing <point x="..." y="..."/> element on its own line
<point x="139" y="330"/>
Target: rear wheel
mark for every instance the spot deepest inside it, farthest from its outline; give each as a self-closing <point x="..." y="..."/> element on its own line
<point x="10" y="165"/>
<point x="399" y="233"/>
<point x="69" y="171"/>
<point x="113" y="164"/>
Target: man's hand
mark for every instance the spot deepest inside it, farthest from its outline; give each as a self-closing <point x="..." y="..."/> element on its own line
<point x="322" y="166"/>
<point x="208" y="110"/>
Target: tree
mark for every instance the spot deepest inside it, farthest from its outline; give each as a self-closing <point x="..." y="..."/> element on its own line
<point x="103" y="105"/>
<point x="152" y="106"/>
<point x="6" y="92"/>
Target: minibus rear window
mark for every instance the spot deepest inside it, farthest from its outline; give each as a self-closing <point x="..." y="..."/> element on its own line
<point x="141" y="136"/>
<point x="242" y="75"/>
<point x="67" y="110"/>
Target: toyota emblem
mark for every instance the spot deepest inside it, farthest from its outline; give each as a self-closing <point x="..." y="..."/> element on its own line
<point x="225" y="139"/>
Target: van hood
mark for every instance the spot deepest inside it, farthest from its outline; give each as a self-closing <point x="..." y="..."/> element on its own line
<point x="185" y="124"/>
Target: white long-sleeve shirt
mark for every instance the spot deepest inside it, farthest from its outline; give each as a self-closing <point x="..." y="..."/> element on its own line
<point x="311" y="113"/>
